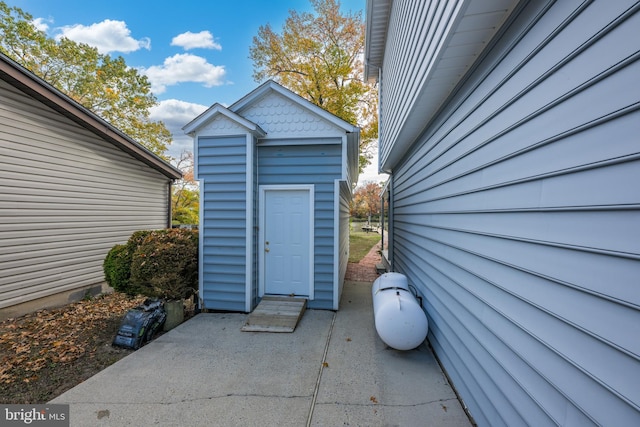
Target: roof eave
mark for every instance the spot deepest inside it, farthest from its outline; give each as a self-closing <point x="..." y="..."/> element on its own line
<point x="434" y="92"/>
<point x="377" y="18"/>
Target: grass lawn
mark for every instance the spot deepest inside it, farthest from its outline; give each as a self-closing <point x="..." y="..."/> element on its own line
<point x="360" y="242"/>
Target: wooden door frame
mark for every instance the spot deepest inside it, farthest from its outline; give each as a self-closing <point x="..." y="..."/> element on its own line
<point x="263" y="189"/>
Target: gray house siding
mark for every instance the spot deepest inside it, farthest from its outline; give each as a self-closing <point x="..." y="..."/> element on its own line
<point x="320" y="165"/>
<point x="222" y="174"/>
<point x="67" y="196"/>
<point x="516" y="215"/>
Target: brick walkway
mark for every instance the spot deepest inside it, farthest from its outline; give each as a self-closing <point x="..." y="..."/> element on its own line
<point x="365" y="270"/>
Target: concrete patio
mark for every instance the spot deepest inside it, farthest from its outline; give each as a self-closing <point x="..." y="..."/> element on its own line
<point x="333" y="370"/>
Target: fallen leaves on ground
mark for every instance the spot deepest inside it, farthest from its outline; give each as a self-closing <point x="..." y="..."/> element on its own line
<point x="59" y="336"/>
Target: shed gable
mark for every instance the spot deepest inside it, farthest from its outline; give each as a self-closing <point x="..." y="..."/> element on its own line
<point x="281" y="117"/>
<point x="222" y="125"/>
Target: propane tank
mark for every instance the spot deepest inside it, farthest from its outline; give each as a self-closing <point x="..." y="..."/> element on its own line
<point x="400" y="321"/>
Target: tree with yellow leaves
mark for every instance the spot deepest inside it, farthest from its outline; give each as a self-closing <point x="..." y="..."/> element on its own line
<point x="105" y="85"/>
<point x="366" y="200"/>
<point x="320" y="57"/>
<point x="185" y="197"/>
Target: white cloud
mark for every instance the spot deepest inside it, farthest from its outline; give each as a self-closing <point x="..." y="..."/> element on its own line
<point x="175" y="114"/>
<point x="42" y="24"/>
<point x="370" y="173"/>
<point x="184" y="68"/>
<point x="189" y="40"/>
<point x="107" y="36"/>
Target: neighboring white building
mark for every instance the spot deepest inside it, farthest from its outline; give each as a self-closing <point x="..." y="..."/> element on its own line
<point x="511" y="131"/>
<point x="72" y="186"/>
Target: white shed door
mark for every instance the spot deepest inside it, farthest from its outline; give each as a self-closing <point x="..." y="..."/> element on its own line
<point x="287" y="228"/>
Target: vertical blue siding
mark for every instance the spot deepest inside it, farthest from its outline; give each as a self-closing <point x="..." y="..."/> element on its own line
<point x="320" y="165"/>
<point x="517" y="213"/>
<point x="222" y="171"/>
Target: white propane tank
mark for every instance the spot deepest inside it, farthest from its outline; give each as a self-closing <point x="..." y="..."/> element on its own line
<point x="400" y="321"/>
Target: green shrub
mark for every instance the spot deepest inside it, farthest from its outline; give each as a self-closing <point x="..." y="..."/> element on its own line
<point x="117" y="268"/>
<point x="165" y="263"/>
<point x="155" y="263"/>
<point x="137" y="238"/>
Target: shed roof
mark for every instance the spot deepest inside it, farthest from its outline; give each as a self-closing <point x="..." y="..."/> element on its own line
<point x="271" y="85"/>
<point x="220" y="110"/>
<point x="258" y="93"/>
<point x="29" y="83"/>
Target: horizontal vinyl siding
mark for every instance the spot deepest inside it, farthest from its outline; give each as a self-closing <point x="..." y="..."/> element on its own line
<point x="66" y="198"/>
<point x="222" y="173"/>
<point x="416" y="29"/>
<point x="319" y="165"/>
<point x="517" y="216"/>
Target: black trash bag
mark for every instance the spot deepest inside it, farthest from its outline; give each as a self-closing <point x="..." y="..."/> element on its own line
<point x="140" y="324"/>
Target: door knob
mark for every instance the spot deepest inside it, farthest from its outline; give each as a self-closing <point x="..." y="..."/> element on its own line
<point x="266" y="249"/>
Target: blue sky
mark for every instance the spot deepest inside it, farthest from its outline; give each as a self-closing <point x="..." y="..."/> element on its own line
<point x="195" y="53"/>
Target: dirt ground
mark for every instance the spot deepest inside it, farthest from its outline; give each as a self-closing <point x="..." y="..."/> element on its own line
<point x="45" y="353"/>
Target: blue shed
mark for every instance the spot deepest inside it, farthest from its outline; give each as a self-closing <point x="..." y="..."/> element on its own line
<point x="276" y="174"/>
